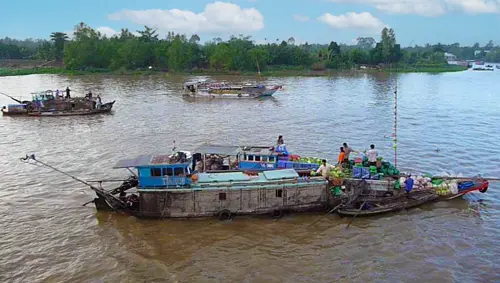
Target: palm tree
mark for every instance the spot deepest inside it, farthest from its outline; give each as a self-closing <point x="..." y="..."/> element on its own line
<point x="59" y="38"/>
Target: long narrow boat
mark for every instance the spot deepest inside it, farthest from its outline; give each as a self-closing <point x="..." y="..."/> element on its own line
<point x="222" y="90"/>
<point x="47" y="103"/>
<point x="362" y="207"/>
<point x="105" y="108"/>
<point x="386" y="187"/>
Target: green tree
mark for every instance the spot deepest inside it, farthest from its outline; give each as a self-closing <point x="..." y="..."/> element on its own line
<point x="259" y="56"/>
<point x="59" y="38"/>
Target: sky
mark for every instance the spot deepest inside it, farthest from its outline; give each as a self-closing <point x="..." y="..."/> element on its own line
<point x="313" y="21"/>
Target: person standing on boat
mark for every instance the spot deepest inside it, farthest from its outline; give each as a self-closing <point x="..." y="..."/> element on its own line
<point x="324" y="169"/>
<point x="280" y="141"/>
<point x="341" y="158"/>
<point x="347" y="151"/>
<point x="68" y="96"/>
<point x="372" y="156"/>
<point x="408" y="185"/>
<point x="99" y="102"/>
<point x="57" y="93"/>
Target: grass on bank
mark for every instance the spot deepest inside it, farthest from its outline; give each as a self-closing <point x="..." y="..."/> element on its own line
<point x="274" y="72"/>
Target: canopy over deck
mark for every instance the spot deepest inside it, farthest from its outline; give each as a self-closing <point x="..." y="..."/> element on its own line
<point x="153" y="160"/>
<point x="233" y="150"/>
<point x="218" y="149"/>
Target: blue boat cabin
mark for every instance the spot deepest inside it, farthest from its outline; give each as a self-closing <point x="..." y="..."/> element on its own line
<point x="160" y="171"/>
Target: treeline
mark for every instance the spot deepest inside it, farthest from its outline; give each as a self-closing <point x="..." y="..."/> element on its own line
<point x="89" y="49"/>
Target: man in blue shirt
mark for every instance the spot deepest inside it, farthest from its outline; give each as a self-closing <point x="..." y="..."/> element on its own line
<point x="408" y="185"/>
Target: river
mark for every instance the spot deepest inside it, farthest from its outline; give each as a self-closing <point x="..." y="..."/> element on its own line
<point x="446" y="123"/>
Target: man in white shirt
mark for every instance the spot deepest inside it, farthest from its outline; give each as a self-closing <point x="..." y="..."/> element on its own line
<point x="324" y="169"/>
<point x="372" y="155"/>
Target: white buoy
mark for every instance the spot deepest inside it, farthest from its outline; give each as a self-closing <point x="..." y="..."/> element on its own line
<point x="150" y="67"/>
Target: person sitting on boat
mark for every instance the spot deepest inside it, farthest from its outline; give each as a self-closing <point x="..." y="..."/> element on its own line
<point x="408" y="185"/>
<point x="68" y="96"/>
<point x="372" y="156"/>
<point x="324" y="169"/>
<point x="57" y="93"/>
<point x="341" y="158"/>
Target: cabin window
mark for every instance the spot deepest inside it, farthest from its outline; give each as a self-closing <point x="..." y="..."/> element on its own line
<point x="271" y="158"/>
<point x="167" y="172"/>
<point x="222" y="196"/>
<point x="155" y="172"/>
<point x="264" y="158"/>
<point x="250" y="157"/>
<point x="257" y="158"/>
<point x="178" y="171"/>
<point x="279" y="193"/>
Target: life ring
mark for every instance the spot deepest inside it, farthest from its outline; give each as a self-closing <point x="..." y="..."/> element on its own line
<point x="483" y="190"/>
<point x="225" y="215"/>
<point x="277" y="213"/>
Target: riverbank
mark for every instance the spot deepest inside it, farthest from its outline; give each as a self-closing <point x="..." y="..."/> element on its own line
<point x="4" y="72"/>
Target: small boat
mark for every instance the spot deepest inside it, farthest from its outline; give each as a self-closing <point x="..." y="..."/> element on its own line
<point x="498" y="67"/>
<point x="224" y="90"/>
<point x="363" y="207"/>
<point x="446" y="188"/>
<point x="489" y="66"/>
<point x="45" y="103"/>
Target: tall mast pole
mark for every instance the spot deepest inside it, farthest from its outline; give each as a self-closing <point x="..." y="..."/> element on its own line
<point x="394" y="138"/>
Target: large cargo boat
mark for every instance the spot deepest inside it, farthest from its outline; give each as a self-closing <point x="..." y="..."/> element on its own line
<point x="167" y="188"/>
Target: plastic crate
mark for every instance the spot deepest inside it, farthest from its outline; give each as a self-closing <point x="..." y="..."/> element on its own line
<point x="357" y="172"/>
<point x="282" y="164"/>
<point x="375" y="176"/>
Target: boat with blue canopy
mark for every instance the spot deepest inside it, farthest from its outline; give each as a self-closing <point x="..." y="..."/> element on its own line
<point x="213" y="157"/>
<point x="167" y="187"/>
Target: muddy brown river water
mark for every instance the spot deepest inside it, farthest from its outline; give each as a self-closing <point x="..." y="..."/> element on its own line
<point x="447" y="123"/>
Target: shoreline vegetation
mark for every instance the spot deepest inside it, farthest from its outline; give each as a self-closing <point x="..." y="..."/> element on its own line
<point x="145" y="52"/>
<point x="283" y="72"/>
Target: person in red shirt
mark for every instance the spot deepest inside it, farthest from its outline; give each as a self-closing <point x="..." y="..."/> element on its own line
<point x="340" y="159"/>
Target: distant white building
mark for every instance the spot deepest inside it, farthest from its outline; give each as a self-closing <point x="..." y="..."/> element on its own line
<point x="478" y="52"/>
<point x="450" y="57"/>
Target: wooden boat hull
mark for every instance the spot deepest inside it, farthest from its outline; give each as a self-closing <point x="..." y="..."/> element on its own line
<point x="106" y="108"/>
<point x="379" y="188"/>
<point x="390" y="204"/>
<point x="232" y="94"/>
<point x="201" y="203"/>
<point x="14" y="113"/>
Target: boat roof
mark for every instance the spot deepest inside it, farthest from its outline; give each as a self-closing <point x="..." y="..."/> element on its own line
<point x="207" y="148"/>
<point x="204" y="178"/>
<point x="218" y="149"/>
<point x="150" y="160"/>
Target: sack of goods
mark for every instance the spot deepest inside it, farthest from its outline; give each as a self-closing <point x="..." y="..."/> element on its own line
<point x="419" y="183"/>
<point x="444" y="188"/>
